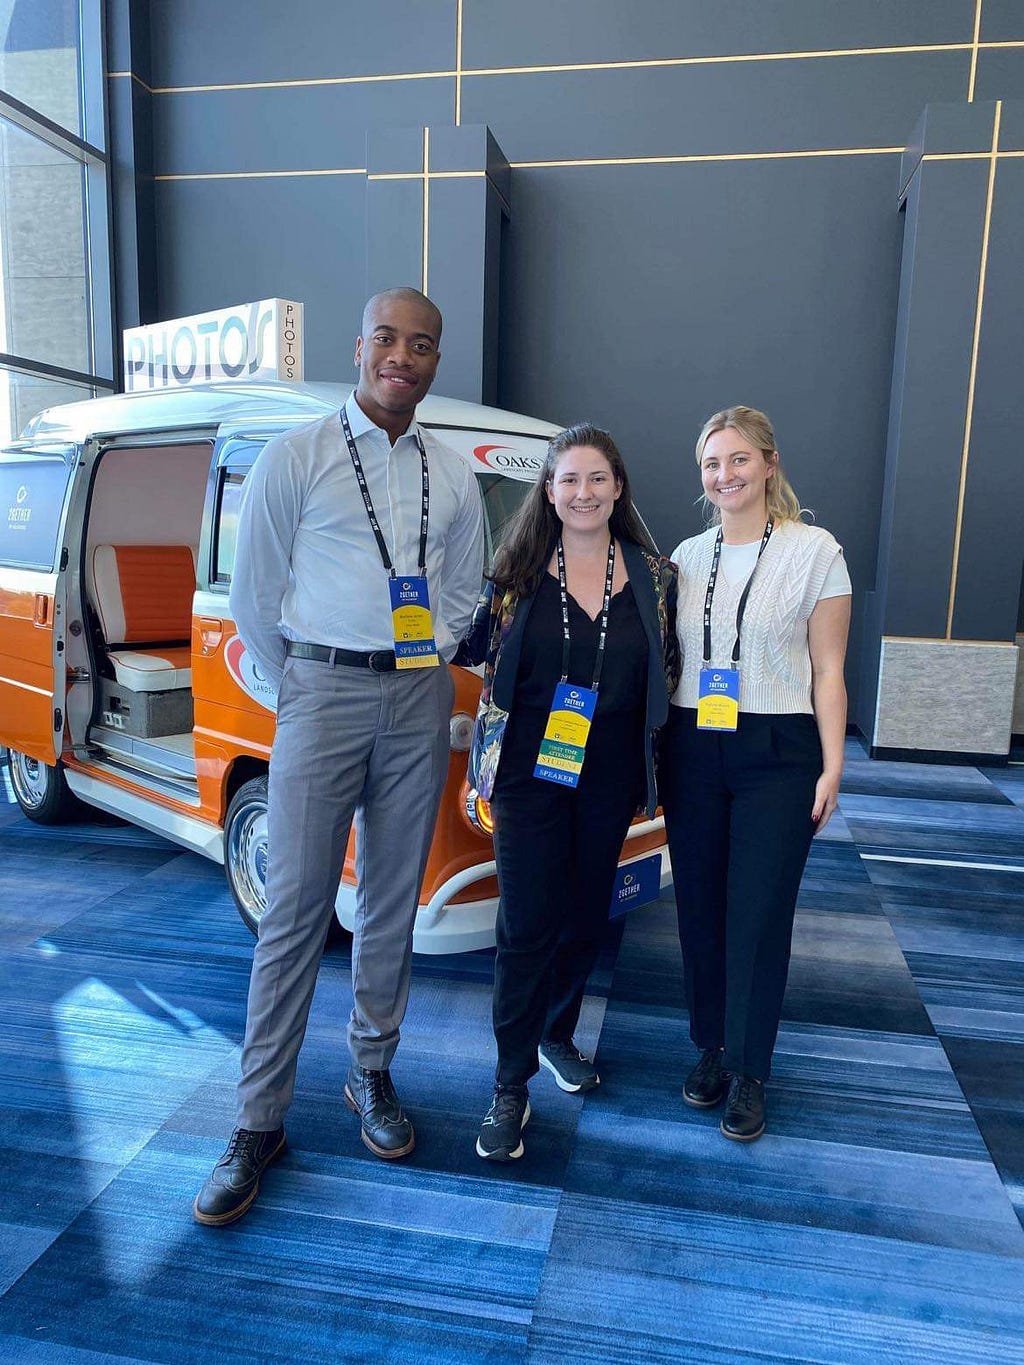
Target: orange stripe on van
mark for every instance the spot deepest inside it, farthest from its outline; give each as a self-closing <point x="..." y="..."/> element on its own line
<point x="157" y="585"/>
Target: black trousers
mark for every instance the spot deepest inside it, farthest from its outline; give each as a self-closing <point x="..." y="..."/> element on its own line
<point x="738" y="816"/>
<point x="557" y="851"/>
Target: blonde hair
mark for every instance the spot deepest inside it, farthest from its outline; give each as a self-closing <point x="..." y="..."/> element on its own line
<point x="755" y="427"/>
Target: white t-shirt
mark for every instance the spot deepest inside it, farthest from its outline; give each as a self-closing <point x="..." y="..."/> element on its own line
<point x="737" y="564"/>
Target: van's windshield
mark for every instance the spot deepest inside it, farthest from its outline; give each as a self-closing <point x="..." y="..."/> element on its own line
<point x="502" y="498"/>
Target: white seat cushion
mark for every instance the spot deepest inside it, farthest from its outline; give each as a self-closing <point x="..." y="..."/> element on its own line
<point x="152" y="671"/>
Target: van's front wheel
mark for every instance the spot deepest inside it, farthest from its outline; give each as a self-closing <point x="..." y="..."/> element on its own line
<point x="40" y="789"/>
<point x="245" y="855"/>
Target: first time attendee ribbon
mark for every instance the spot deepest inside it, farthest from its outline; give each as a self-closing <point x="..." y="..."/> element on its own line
<point x="563" y="748"/>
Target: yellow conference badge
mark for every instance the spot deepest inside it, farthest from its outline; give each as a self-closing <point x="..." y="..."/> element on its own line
<point x="412" y="624"/>
<point x="562" y="749"/>
<point x="718" y="699"/>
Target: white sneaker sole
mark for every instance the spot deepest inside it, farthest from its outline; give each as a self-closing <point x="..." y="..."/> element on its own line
<point x="501" y="1154"/>
<point x="565" y="1085"/>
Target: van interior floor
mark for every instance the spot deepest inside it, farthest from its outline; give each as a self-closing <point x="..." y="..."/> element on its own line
<point x="875" y="1220"/>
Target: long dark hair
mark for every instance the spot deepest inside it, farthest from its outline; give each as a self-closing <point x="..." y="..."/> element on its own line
<point x="530" y="536"/>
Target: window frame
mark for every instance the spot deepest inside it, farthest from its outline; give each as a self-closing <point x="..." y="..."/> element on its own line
<point x="90" y="152"/>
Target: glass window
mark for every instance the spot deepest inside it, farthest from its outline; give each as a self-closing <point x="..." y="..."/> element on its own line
<point x="31" y="500"/>
<point x="40" y="46"/>
<point x="229" y="502"/>
<point x="43" y="256"/>
<point x="23" y="395"/>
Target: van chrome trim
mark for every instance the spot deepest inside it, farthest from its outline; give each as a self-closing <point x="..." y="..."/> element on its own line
<point x="196" y="835"/>
<point x="148" y="755"/>
<point x="26" y="687"/>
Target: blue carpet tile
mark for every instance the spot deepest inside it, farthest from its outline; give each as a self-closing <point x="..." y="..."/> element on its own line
<point x="878" y="1220"/>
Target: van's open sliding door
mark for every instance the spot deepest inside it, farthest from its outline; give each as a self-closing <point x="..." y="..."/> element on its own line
<point x="35" y="491"/>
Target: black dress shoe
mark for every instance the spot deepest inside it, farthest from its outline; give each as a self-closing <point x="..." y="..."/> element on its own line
<point x="386" y="1130"/>
<point x="235" y="1180"/>
<point x="705" y="1085"/>
<point x="743" y="1120"/>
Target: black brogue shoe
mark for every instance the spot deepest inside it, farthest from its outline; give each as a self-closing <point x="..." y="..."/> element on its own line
<point x="234" y="1182"/>
<point x="706" y="1083"/>
<point x="743" y="1120"/>
<point x="386" y="1130"/>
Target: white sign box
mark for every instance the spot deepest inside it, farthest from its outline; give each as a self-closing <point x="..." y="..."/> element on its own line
<point x="251" y="341"/>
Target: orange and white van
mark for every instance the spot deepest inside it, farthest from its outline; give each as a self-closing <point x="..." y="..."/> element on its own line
<point x="123" y="682"/>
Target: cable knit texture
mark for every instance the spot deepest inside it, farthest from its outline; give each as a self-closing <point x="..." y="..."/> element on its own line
<point x="775" y="664"/>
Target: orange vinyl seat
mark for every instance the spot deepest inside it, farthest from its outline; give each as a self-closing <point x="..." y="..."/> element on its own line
<point x="144" y="596"/>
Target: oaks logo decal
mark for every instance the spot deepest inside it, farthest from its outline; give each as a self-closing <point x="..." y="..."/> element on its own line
<point x="505" y="460"/>
<point x="246" y="673"/>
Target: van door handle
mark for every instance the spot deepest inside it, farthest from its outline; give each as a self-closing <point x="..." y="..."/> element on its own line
<point x="211" y="632"/>
<point x="41" y="614"/>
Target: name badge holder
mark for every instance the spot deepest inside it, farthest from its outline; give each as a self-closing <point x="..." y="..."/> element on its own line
<point x="718" y="689"/>
<point x="411" y="623"/>
<point x="563" y="748"/>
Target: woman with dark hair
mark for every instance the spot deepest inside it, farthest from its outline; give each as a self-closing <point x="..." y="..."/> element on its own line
<point x="576" y="632"/>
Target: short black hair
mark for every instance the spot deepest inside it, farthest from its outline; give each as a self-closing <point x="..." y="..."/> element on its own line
<point x="405" y="294"/>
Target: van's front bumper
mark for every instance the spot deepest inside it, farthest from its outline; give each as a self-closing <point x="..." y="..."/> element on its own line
<point x="442" y="927"/>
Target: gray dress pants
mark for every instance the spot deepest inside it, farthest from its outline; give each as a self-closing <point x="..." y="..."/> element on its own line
<point x="349" y="743"/>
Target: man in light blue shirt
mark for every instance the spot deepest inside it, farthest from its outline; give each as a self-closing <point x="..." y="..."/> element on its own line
<point x="342" y="521"/>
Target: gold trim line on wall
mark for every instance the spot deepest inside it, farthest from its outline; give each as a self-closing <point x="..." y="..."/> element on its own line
<point x="697" y="159"/>
<point x="969" y="415"/>
<point x="460" y="73"/>
<point x="974" y="52"/>
<point x="458" y="63"/>
<point x="257" y="175"/>
<point x="426" y="207"/>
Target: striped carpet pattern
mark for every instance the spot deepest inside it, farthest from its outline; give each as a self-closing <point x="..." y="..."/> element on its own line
<point x="880" y="1219"/>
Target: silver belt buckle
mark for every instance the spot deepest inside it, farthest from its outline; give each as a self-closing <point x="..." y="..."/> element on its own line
<point x="384" y="665"/>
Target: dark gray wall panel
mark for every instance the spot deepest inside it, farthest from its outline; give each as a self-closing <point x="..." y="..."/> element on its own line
<point x="1002" y="21"/>
<point x="309" y="128"/>
<point x="945" y="263"/>
<point x="394" y="234"/>
<point x="992" y="544"/>
<point x="537" y="32"/>
<point x="672" y="111"/>
<point x="196" y="42"/>
<point x="645" y="298"/>
<point x="1000" y="73"/>
<point x="231" y="241"/>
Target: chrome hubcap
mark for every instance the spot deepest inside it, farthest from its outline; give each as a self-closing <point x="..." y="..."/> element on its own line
<point x="247" y="857"/>
<point x="31" y="779"/>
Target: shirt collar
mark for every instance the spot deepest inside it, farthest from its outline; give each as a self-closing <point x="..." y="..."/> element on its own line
<point x="360" y="424"/>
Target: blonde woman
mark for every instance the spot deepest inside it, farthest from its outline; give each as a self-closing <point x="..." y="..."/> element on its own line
<point x="752" y="755"/>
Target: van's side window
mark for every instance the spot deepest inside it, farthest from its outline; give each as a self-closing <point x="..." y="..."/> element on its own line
<point x="31" y="501"/>
<point x="229" y="500"/>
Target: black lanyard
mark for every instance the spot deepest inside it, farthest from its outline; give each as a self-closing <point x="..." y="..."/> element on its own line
<point x="566" y="639"/>
<point x="357" y="465"/>
<point x="743" y="600"/>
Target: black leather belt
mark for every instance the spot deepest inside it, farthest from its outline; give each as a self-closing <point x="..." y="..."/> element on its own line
<point x="377" y="660"/>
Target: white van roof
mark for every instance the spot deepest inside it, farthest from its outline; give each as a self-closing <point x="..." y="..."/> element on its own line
<point x="238" y="404"/>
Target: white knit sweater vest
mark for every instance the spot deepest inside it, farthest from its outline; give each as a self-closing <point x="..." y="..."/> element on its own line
<point x="775" y="664"/>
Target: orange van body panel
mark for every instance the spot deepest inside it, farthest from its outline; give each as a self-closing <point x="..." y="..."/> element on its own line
<point x="230" y="725"/>
<point x="26" y="662"/>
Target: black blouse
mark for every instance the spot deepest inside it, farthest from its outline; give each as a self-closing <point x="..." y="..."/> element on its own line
<point x="623" y="684"/>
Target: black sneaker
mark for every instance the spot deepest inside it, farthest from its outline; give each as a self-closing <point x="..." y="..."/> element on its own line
<point x="572" y="1069"/>
<point x="235" y="1180"/>
<point x="501" y="1133"/>
<point x="743" y="1120"/>
<point x="706" y="1083"/>
<point x="385" y="1129"/>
